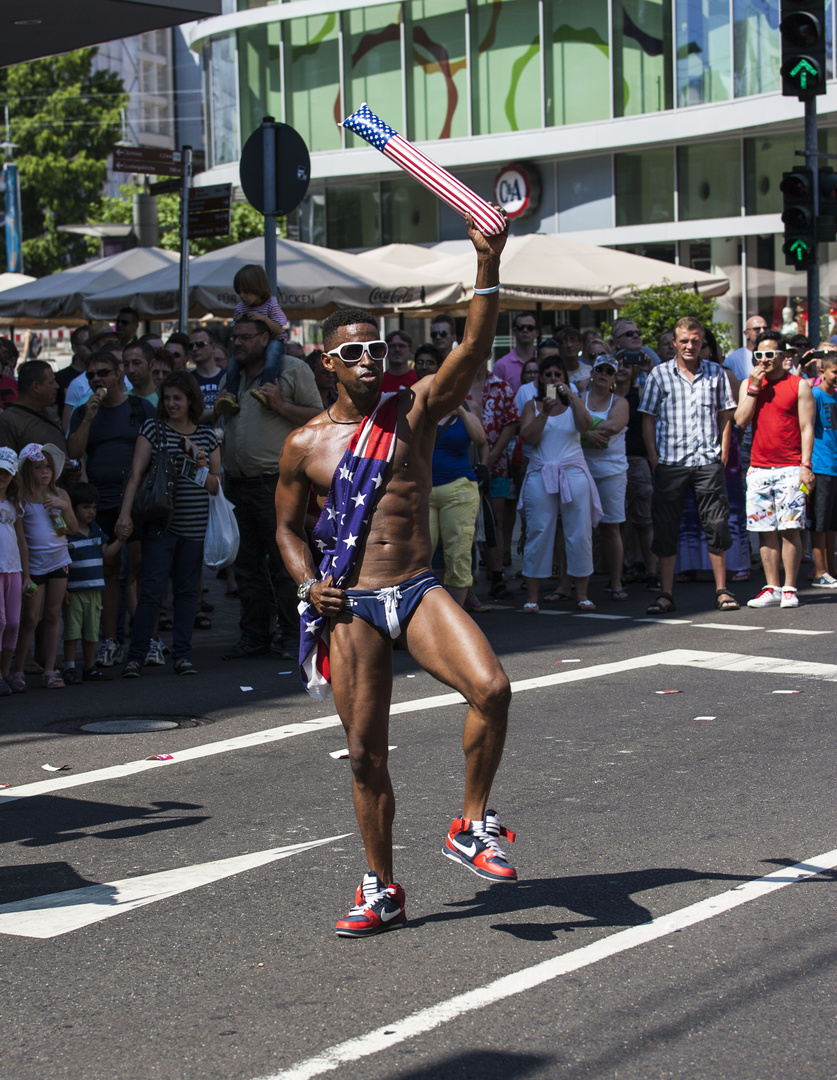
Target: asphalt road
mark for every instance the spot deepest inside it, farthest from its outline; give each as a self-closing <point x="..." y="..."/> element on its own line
<point x="635" y="946"/>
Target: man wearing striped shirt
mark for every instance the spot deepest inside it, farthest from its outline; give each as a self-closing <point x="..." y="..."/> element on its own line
<point x="686" y="428"/>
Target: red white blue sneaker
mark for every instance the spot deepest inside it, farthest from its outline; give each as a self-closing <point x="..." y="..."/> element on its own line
<point x="377" y="908"/>
<point x="474" y="844"/>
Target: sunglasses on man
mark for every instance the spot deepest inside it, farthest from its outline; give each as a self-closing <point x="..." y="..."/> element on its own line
<point x="351" y="352"/>
<point x="770" y="354"/>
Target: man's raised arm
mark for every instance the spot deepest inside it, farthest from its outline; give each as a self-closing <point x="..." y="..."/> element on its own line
<point x="450" y="386"/>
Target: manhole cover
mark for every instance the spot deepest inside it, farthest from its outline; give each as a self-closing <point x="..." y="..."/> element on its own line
<point x="128" y="725"/>
<point x="125" y="725"/>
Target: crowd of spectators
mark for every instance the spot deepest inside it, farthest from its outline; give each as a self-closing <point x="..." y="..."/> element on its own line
<point x="650" y="466"/>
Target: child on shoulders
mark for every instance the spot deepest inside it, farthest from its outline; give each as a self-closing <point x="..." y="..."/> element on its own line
<point x="256" y="304"/>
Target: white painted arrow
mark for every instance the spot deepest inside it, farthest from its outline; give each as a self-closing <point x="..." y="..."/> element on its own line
<point x="59" y="913"/>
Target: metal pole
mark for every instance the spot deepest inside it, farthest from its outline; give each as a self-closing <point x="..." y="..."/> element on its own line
<point x="183" y="321"/>
<point x="813" y="162"/>
<point x="269" y="196"/>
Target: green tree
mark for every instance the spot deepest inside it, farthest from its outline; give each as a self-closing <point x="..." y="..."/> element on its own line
<point x="64" y="118"/>
<point x="245" y="222"/>
<point x="657" y="308"/>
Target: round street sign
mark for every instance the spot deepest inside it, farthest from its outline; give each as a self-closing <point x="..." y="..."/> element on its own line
<point x="293" y="169"/>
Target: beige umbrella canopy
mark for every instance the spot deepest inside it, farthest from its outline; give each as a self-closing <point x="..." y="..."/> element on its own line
<point x="556" y="272"/>
<point x="60" y="296"/>
<point x="313" y="281"/>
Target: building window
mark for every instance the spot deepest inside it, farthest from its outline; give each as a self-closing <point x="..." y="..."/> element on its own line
<point x="373" y="64"/>
<point x="576" y="62"/>
<point x="704" y="63"/>
<point x="642" y="61"/>
<point x="353" y="218"/>
<point x="223" y="102"/>
<point x="312" y="80"/>
<point x="437" y="88"/>
<point x="260" y="75"/>
<point x="756" y="46"/>
<point x="409" y="212"/>
<point x="505" y="72"/>
<point x="709" y="180"/>
<point x="644" y="186"/>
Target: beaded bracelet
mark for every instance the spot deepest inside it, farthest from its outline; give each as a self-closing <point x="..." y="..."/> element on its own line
<point x="486" y="292"/>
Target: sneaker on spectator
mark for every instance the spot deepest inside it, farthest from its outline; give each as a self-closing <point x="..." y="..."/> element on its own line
<point x="108" y="653"/>
<point x="156" y="656"/>
<point x="789" y="597"/>
<point x="72" y="676"/>
<point x="474" y="844"/>
<point x="377" y="908"/>
<point x="132" y="670"/>
<point x="824" y="582"/>
<point x="473" y="602"/>
<point x="768" y="597"/>
<point x="652" y="583"/>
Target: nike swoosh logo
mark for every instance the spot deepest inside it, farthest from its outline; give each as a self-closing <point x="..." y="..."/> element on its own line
<point x="388" y="916"/>
<point x="469" y="851"/>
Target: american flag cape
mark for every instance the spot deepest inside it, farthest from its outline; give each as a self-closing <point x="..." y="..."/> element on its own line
<point x="341" y="529"/>
<point x="457" y="195"/>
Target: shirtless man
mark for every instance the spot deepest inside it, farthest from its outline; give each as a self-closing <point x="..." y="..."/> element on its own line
<point x="396" y="552"/>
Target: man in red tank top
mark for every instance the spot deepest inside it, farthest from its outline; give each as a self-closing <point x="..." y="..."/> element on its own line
<point x="780" y="406"/>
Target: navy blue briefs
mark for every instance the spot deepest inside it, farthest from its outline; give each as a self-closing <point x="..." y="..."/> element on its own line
<point x="386" y="608"/>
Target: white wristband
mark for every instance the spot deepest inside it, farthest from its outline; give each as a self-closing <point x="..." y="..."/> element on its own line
<point x="487" y="292"/>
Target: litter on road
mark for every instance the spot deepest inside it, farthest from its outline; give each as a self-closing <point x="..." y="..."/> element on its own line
<point x="668" y="691"/>
<point x="56" y="768"/>
<point x="344" y="753"/>
<point x="706" y="718"/>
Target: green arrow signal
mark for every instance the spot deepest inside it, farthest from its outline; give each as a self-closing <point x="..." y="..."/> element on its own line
<point x="799" y="249"/>
<point x="804" y="68"/>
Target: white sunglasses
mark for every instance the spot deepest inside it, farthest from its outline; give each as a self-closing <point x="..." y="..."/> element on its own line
<point x="351" y="352"/>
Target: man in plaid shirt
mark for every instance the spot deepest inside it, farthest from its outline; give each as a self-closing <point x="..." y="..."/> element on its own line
<point x="686" y="428"/>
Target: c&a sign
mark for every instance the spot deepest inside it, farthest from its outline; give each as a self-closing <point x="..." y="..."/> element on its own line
<point x="517" y="188"/>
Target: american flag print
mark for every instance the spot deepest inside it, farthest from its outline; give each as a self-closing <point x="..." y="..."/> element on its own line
<point x="341" y="529"/>
<point x="462" y="199"/>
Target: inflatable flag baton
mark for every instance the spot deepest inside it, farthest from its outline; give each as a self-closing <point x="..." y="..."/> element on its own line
<point x="365" y="123"/>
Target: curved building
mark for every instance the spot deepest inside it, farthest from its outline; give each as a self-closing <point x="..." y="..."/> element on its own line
<point x="653" y="125"/>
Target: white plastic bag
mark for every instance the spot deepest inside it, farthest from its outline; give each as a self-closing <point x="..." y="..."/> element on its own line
<point x="222" y="536"/>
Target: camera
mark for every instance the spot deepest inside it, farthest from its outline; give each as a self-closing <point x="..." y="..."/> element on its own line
<point x="628" y="356"/>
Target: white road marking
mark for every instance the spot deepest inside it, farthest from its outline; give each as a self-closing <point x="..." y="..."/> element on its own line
<point x="811" y="633"/>
<point x="674" y="622"/>
<point x="59" y="913"/>
<point x="598" y="615"/>
<point x="769" y="665"/>
<point x="425" y="1020"/>
<point x="727" y="626"/>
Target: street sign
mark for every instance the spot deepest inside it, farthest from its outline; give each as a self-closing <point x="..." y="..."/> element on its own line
<point x="215" y="224"/>
<point x="209" y="210"/>
<point x="148" y="160"/>
<point x="292" y="170"/>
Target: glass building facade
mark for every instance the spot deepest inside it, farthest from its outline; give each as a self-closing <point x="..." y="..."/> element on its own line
<point x="654" y="125"/>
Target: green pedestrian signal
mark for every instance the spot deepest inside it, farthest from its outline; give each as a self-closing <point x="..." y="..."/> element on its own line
<point x="799" y="193"/>
<point x="803" y="39"/>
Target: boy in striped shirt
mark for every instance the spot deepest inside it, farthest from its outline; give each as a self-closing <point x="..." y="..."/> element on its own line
<point x="85" y="586"/>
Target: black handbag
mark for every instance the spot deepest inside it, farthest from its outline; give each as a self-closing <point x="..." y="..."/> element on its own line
<point x="154" y="499"/>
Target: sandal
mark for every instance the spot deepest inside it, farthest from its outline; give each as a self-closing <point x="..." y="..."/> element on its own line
<point x="557" y="597"/>
<point x="586" y="605"/>
<point x="531" y="609"/>
<point x="17" y="682"/>
<point x="203" y="622"/>
<point x="662" y="609"/>
<point x="730" y="604"/>
<point x="53" y="681"/>
<point x="32" y="667"/>
<point x="618" y="594"/>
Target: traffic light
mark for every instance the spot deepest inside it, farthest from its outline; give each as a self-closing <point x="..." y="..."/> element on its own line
<point x="827" y="218"/>
<point x="798" y="193"/>
<point x="803" y="29"/>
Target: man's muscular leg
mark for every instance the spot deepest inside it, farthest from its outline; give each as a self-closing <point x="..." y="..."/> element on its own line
<point x="361" y="678"/>
<point x="450" y="646"/>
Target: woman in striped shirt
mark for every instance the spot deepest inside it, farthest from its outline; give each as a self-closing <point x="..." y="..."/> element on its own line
<point x="178" y="550"/>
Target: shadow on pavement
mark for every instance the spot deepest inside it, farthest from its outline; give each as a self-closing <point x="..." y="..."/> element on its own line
<point x="600" y="900"/>
<point x="482" y="1064"/>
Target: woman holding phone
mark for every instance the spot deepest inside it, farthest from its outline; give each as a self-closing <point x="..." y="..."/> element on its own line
<point x="178" y="550"/>
<point x="552" y="426"/>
